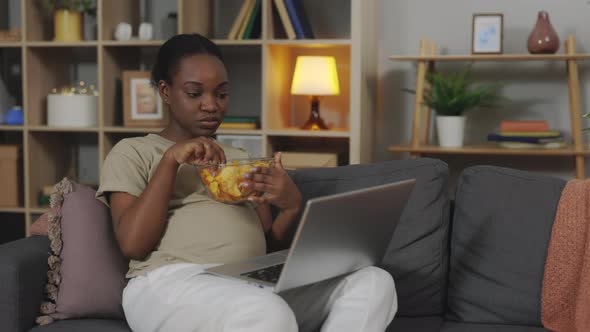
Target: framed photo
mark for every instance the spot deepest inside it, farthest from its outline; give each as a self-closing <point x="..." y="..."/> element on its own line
<point x="142" y="105"/>
<point x="487" y="34"/>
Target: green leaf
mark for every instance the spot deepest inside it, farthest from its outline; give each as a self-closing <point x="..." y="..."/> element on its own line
<point x="456" y="93"/>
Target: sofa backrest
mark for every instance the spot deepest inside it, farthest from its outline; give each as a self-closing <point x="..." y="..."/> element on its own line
<point x="500" y="234"/>
<point x="417" y="255"/>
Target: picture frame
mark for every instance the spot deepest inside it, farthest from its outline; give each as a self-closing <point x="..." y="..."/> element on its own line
<point x="142" y="104"/>
<point x="487" y="33"/>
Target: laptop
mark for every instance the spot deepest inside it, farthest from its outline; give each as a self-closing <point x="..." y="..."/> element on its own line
<point x="338" y="234"/>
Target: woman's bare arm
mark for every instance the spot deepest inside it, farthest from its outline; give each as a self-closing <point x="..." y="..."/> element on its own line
<point x="139" y="221"/>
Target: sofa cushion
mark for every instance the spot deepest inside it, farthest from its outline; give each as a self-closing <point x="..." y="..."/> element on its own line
<point x="466" y="327"/>
<point x="85" y="325"/>
<point x="87" y="270"/>
<point x="500" y="234"/>
<point x="23" y="268"/>
<point x="416" y="324"/>
<point x="417" y="254"/>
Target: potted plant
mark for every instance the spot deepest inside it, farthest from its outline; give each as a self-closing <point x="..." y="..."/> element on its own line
<point x="68" y="19"/>
<point x="450" y="97"/>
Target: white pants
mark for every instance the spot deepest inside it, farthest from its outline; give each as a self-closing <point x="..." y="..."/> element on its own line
<point x="180" y="297"/>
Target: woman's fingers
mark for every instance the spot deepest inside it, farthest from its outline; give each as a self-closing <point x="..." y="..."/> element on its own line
<point x="259" y="186"/>
<point x="210" y="152"/>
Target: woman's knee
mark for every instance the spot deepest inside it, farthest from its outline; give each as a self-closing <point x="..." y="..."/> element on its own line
<point x="267" y="312"/>
<point x="383" y="281"/>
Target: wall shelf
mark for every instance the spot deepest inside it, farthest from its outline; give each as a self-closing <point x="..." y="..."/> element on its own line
<point x="11" y="128"/>
<point x="10" y="44"/>
<point x="493" y="57"/>
<point x="132" y="43"/>
<point x="487" y="149"/>
<point x="19" y="210"/>
<point x="62" y="129"/>
<point x="426" y="61"/>
<point x="61" y="44"/>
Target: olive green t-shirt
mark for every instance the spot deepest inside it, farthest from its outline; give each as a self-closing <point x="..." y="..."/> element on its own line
<point x="199" y="229"/>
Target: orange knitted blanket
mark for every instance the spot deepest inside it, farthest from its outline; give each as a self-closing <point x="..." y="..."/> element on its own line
<point x="565" y="303"/>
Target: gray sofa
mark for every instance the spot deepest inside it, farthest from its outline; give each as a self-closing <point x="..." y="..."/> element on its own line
<point x="476" y="267"/>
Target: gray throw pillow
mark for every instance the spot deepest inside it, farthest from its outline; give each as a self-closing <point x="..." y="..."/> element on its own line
<point x="500" y="234"/>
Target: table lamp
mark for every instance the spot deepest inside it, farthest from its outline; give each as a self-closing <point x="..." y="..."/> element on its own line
<point x="315" y="76"/>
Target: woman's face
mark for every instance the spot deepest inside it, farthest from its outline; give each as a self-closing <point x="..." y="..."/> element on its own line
<point x="198" y="96"/>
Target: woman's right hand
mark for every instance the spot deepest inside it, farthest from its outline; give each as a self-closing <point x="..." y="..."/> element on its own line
<point x="197" y="151"/>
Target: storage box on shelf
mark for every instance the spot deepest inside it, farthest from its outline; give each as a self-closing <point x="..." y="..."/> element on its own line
<point x="260" y="72"/>
<point x="10" y="174"/>
<point x="420" y="135"/>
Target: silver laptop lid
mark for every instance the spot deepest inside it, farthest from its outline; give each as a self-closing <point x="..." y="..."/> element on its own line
<point x="342" y="233"/>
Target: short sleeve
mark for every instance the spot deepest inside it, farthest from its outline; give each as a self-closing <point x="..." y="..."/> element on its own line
<point x="123" y="170"/>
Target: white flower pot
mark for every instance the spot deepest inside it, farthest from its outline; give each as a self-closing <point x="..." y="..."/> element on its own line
<point x="450" y="130"/>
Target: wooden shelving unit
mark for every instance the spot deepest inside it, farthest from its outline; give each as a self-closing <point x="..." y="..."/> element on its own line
<point x="260" y="73"/>
<point x="426" y="61"/>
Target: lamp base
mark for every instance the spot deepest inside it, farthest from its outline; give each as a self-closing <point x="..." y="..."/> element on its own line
<point x="315" y="122"/>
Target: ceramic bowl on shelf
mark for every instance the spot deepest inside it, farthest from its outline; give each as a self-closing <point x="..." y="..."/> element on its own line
<point x="226" y="182"/>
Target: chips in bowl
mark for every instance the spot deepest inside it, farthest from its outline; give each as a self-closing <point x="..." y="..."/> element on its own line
<point x="225" y="182"/>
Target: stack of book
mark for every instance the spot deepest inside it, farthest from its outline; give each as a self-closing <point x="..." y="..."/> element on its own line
<point x="293" y="18"/>
<point x="241" y="122"/>
<point x="247" y="24"/>
<point x="527" y="134"/>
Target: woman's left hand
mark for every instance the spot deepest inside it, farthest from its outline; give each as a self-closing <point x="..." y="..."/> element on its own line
<point x="277" y="187"/>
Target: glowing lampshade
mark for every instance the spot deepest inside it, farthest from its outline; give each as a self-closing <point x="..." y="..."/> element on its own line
<point x="315" y="76"/>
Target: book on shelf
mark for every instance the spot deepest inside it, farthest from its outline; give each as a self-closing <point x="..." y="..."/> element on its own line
<point x="284" y="15"/>
<point x="523" y="139"/>
<point x="247" y="6"/>
<point x="247" y="18"/>
<point x="240" y="122"/>
<point x="522" y="145"/>
<point x="527" y="126"/>
<point x="299" y="19"/>
<point x="548" y="133"/>
<point x="254" y="23"/>
<point x="231" y="125"/>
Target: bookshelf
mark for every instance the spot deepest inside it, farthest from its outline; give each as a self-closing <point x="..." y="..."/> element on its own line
<point x="420" y="136"/>
<point x="260" y="71"/>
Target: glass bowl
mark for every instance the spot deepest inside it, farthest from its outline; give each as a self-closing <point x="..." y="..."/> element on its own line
<point x="225" y="182"/>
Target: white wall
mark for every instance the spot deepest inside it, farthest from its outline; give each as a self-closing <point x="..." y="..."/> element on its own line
<point x="536" y="90"/>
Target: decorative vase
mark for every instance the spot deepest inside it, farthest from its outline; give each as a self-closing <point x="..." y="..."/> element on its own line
<point x="543" y="39"/>
<point x="450" y="131"/>
<point x="68" y="25"/>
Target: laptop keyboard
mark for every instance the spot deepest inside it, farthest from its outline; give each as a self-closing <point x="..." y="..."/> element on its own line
<point x="268" y="274"/>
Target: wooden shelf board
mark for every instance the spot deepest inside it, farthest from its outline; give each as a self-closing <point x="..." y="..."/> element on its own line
<point x="309" y="42"/>
<point x="237" y="42"/>
<point x="309" y="133"/>
<point x="38" y="210"/>
<point x="131" y="130"/>
<point x="6" y="209"/>
<point x="63" y="129"/>
<point x="90" y="43"/>
<point x="10" y="44"/>
<point x="132" y="43"/>
<point x="10" y="128"/>
<point x="485" y="149"/>
<point x="239" y="132"/>
<point x="494" y="57"/>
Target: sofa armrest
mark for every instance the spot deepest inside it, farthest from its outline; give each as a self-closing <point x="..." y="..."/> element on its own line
<point x="23" y="274"/>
